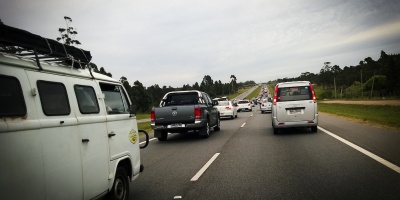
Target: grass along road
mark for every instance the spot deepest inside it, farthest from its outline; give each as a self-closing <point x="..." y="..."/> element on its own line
<point x="377" y="115"/>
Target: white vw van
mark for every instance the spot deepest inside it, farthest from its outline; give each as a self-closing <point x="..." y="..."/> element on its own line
<point x="294" y="105"/>
<point x="65" y="131"/>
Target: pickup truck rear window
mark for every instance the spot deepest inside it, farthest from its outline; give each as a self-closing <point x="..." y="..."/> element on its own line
<point x="182" y="99"/>
<point x="294" y="93"/>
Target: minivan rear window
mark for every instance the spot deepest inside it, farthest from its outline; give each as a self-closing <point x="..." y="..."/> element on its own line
<point x="11" y="99"/>
<point x="294" y="93"/>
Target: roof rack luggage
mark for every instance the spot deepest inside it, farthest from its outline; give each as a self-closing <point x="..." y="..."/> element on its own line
<point x="23" y="43"/>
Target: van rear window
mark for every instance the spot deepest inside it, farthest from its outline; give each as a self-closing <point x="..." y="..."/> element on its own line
<point x="294" y="93"/>
<point x="11" y="99"/>
<point x="54" y="98"/>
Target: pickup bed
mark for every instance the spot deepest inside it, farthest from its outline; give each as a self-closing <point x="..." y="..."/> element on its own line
<point x="181" y="111"/>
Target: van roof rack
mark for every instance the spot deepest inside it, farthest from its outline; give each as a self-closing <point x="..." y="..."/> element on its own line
<point x="23" y="43"/>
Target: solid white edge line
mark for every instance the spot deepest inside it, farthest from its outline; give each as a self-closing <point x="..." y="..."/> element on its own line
<point x="243" y="125"/>
<point x="151" y="139"/>
<point x="371" y="155"/>
<point x="204" y="168"/>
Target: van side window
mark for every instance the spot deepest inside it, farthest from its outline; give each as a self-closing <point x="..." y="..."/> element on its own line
<point x="54" y="98"/>
<point x="115" y="99"/>
<point x="87" y="100"/>
<point x="11" y="98"/>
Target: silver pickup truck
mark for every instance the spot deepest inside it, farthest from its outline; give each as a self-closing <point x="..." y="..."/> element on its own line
<point x="181" y="111"/>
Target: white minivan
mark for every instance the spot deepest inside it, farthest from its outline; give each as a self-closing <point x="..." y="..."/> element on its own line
<point x="294" y="105"/>
<point x="65" y="131"/>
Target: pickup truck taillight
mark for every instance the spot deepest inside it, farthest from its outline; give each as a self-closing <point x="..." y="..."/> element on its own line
<point x="152" y="116"/>
<point x="197" y="113"/>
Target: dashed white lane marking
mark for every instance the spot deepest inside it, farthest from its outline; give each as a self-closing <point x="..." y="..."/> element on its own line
<point x="242" y="125"/>
<point x="371" y="155"/>
<point x="177" y="197"/>
<point x="204" y="168"/>
<point x="251" y="115"/>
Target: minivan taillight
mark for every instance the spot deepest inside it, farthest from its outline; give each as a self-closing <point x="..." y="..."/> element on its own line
<point x="152" y="116"/>
<point x="197" y="113"/>
<point x="314" y="98"/>
<point x="275" y="94"/>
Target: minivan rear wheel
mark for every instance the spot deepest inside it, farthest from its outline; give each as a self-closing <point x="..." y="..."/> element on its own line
<point x="314" y="129"/>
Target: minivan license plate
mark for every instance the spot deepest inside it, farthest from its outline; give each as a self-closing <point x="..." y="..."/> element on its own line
<point x="295" y="111"/>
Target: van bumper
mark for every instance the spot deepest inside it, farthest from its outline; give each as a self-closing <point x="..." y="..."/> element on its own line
<point x="291" y="124"/>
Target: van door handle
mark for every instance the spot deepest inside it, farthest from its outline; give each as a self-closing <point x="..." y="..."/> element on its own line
<point x="85" y="140"/>
<point x="111" y="134"/>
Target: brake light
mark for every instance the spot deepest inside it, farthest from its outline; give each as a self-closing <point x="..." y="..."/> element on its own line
<point x="314" y="98"/>
<point x="249" y="105"/>
<point x="275" y="94"/>
<point x="262" y="104"/>
<point x="153" y="116"/>
<point x="197" y="113"/>
<point x="228" y="108"/>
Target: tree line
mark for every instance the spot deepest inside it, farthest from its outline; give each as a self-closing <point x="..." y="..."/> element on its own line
<point x="147" y="97"/>
<point x="368" y="79"/>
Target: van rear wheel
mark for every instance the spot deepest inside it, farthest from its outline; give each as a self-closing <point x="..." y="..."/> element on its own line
<point x="120" y="188"/>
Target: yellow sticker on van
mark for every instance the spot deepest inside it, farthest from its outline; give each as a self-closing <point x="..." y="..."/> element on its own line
<point x="133" y="136"/>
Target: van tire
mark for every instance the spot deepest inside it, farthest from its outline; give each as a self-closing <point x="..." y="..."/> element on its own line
<point x="162" y="136"/>
<point x="205" y="131"/>
<point x="314" y="129"/>
<point x="120" y="188"/>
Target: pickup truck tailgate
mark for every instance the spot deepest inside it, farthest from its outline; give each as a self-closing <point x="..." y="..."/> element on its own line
<point x="174" y="114"/>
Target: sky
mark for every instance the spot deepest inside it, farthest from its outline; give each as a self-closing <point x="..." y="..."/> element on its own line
<point x="177" y="42"/>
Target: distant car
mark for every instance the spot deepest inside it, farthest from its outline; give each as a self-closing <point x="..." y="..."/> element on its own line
<point x="227" y="109"/>
<point x="266" y="105"/>
<point x="244" y="105"/>
<point x="294" y="105"/>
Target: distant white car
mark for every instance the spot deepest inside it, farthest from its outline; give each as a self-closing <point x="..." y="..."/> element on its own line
<point x="244" y="105"/>
<point x="227" y="109"/>
<point x="266" y="105"/>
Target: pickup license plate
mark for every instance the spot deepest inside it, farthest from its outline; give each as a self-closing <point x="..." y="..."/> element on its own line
<point x="176" y="125"/>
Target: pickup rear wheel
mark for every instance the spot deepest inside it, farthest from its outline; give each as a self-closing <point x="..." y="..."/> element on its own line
<point x="162" y="136"/>
<point x="205" y="131"/>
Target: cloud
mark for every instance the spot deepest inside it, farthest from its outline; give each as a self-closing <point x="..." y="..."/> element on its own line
<point x="179" y="42"/>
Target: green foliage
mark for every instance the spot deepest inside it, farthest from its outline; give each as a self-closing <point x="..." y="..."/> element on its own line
<point x="67" y="35"/>
<point x="356" y="81"/>
<point x="255" y="93"/>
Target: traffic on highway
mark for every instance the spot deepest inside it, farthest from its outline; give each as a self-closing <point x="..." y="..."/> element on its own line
<point x="246" y="160"/>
